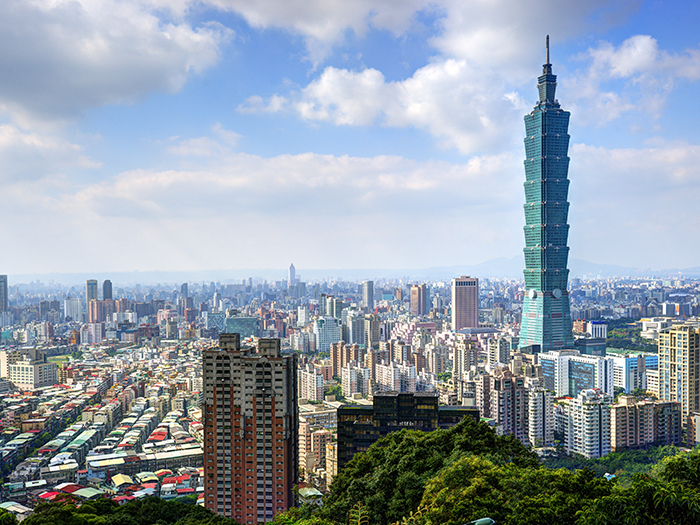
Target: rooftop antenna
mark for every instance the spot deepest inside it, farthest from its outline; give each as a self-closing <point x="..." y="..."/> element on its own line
<point x="547" y="49"/>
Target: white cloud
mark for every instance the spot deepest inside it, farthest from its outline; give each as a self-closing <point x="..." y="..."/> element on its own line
<point x="32" y="156"/>
<point x="324" y="23"/>
<point x="62" y="57"/>
<point x="635" y="76"/>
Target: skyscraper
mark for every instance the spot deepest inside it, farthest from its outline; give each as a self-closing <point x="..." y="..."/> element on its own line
<point x="292" y="276"/>
<point x="546" y="317"/>
<point x="4" y="302"/>
<point x="91" y="291"/>
<point x="368" y="295"/>
<point x="465" y="303"/>
<point x="184" y="291"/>
<point x="251" y="430"/>
<point x="107" y="289"/>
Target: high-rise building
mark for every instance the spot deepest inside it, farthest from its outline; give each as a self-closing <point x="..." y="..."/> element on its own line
<point x="419" y="299"/>
<point x="465" y="303"/>
<point x="567" y="373"/>
<point x="498" y="351"/>
<point x="540" y="422"/>
<point x="587" y="423"/>
<point x="368" y="295"/>
<point x="251" y="430"/>
<point x="546" y="315"/>
<point x="328" y="331"/>
<point x="679" y="376"/>
<point x="504" y="397"/>
<point x="184" y="290"/>
<point x="292" y="280"/>
<point x="107" y="289"/>
<point x="4" y="299"/>
<point x="91" y="291"/>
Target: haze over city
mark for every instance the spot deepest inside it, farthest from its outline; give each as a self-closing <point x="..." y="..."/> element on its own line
<point x="188" y="136"/>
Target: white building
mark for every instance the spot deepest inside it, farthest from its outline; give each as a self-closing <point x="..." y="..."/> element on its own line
<point x="309" y="384"/>
<point x="328" y="331"/>
<point x="498" y="351"/>
<point x="73" y="308"/>
<point x="395" y="377"/>
<point x="356" y="380"/>
<point x="540" y="417"/>
<point x="567" y="372"/>
<point x="587" y="423"/>
<point x="33" y="371"/>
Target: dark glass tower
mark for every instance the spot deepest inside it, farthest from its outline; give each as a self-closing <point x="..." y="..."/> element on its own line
<point x="546" y="319"/>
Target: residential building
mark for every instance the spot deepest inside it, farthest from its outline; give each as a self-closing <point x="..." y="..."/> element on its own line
<point x="251" y="429"/>
<point x="503" y="397"/>
<point x="32" y="370"/>
<point x="587" y="423"/>
<point x="310" y="384"/>
<point x="679" y="367"/>
<point x="356" y="380"/>
<point x="394" y="377"/>
<point x="540" y="418"/>
<point x="631" y="423"/>
<point x="498" y="351"/>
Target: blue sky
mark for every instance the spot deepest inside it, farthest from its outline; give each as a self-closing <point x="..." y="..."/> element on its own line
<point x="223" y="134"/>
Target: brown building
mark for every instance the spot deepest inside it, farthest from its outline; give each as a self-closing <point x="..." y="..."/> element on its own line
<point x="251" y="430"/>
<point x="419" y="299"/>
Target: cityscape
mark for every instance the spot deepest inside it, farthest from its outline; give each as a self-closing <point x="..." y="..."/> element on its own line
<point x="456" y="383"/>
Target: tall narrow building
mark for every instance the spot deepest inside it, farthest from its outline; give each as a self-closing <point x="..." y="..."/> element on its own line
<point x="91" y="291"/>
<point x="368" y="295"/>
<point x="4" y="302"/>
<point x="679" y="373"/>
<point x="546" y="317"/>
<point x="251" y="430"/>
<point x="465" y="303"/>
<point x="107" y="290"/>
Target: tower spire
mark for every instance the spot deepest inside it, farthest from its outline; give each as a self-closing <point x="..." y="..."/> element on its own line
<point x="547" y="49"/>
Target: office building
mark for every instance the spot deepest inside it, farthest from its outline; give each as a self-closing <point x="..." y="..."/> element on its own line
<point x="251" y="430"/>
<point x="368" y="295"/>
<point x="465" y="303"/>
<point x="679" y="371"/>
<point x="292" y="278"/>
<point x="91" y="291"/>
<point x="328" y="331"/>
<point x="73" y="309"/>
<point x="361" y="426"/>
<point x="586" y="422"/>
<point x="107" y="290"/>
<point x="4" y="298"/>
<point x="184" y="290"/>
<point x="546" y="315"/>
<point x="419" y="299"/>
<point x="567" y="372"/>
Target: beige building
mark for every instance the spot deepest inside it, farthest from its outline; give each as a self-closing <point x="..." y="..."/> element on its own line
<point x="631" y="423"/>
<point x="679" y="367"/>
<point x="32" y="370"/>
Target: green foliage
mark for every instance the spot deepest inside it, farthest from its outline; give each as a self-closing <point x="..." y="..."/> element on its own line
<point x="474" y="487"/>
<point x="7" y="518"/>
<point x="337" y="391"/>
<point x="390" y="478"/>
<point x="624" y="464"/>
<point x="103" y="511"/>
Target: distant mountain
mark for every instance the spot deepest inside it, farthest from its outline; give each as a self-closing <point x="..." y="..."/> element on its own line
<point x="500" y="268"/>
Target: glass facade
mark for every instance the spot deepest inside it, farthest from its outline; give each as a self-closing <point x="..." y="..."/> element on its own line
<point x="546" y="318"/>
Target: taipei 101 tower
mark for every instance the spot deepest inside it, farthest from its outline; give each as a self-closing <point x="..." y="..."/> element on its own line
<point x="546" y="318"/>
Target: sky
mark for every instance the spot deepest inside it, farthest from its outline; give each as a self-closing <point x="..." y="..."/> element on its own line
<point x="181" y="135"/>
